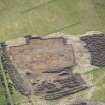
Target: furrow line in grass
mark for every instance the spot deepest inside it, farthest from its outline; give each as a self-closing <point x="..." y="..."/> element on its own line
<point x="61" y="29"/>
<point x="30" y="9"/>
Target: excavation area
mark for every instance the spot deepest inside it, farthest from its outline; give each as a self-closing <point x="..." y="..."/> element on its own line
<point x="39" y="56"/>
<point x="43" y="67"/>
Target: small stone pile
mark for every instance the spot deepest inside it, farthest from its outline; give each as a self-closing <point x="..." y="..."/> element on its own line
<point x="96" y="46"/>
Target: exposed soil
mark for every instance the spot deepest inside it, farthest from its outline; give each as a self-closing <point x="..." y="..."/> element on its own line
<point x="40" y="56"/>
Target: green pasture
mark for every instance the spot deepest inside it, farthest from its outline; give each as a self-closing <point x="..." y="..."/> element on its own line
<point x="98" y="80"/>
<point x="40" y="17"/>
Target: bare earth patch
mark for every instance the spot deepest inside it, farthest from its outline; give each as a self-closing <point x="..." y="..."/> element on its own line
<point x="52" y="66"/>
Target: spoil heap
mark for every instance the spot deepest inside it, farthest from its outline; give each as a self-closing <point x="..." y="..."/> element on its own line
<point x="96" y="46"/>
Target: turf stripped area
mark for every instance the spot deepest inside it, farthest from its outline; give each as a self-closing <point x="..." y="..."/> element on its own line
<point x="89" y="73"/>
<point x="52" y="57"/>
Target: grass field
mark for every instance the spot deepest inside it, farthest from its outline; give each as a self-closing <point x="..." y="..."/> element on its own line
<point x="19" y="18"/>
<point x="40" y="17"/>
<point x="2" y="92"/>
<point x="98" y="79"/>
